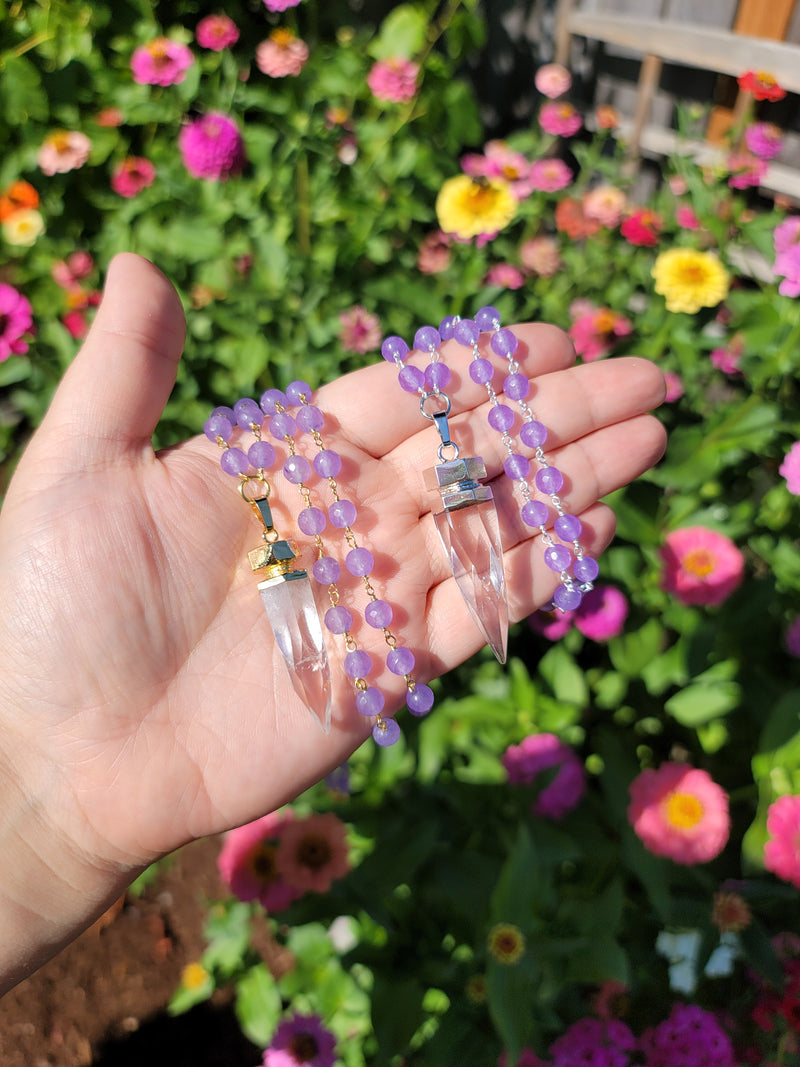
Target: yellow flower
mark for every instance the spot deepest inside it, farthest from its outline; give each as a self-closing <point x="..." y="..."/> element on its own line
<point x="506" y="943"/>
<point x="23" y="227"/>
<point x="468" y="207"/>
<point x="690" y="280"/>
<point x="194" y="975"/>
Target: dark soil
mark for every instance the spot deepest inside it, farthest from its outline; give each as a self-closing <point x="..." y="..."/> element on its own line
<point x="102" y="1001"/>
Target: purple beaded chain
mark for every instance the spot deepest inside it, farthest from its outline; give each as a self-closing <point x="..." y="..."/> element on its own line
<point x="359" y="562"/>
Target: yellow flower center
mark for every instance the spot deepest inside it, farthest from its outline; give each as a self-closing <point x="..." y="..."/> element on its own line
<point x="604" y="320"/>
<point x="194" y="975"/>
<point x="158" y="51"/>
<point x="700" y="562"/>
<point x="684" y="811"/>
<point x="510" y="172"/>
<point x="767" y="80"/>
<point x="282" y="37"/>
<point x="60" y="141"/>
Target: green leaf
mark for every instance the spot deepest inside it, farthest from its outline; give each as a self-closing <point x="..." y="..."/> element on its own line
<point x="258" y="1004"/>
<point x="697" y="704"/>
<point x="23" y="97"/>
<point x="228" y="934"/>
<point x="564" y="676"/>
<point x="631" y="652"/>
<point x="402" y="33"/>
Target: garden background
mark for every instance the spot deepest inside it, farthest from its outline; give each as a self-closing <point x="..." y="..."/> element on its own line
<point x="592" y="854"/>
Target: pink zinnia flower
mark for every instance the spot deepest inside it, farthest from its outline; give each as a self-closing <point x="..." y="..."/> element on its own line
<point x="161" y="62"/>
<point x="726" y="359"/>
<point x="686" y="218"/>
<point x="16" y="319"/>
<point x="792" y="638"/>
<point x="560" y="120"/>
<point x="674" y="385"/>
<point x="434" y="253"/>
<point x="605" y="203"/>
<point x="300" y="1040"/>
<point x="282" y="55"/>
<point x="764" y="139"/>
<point x="540" y="255"/>
<point x="248" y="862"/>
<point x="211" y="147"/>
<point x="280" y="5"/>
<point x="500" y="161"/>
<point x="552" y="80"/>
<point x="551" y="624"/>
<point x="77" y="266"/>
<point x="62" y="151"/>
<point x="536" y="753"/>
<point x="550" y="175"/>
<point x="76" y="324"/>
<point x="689" y="1035"/>
<point x="216" y="32"/>
<point x="642" y="227"/>
<point x="790" y="469"/>
<point x="745" y="170"/>
<point x="700" y="566"/>
<point x="132" y="175"/>
<point x="359" y="330"/>
<point x="393" y="80"/>
<point x="312" y="852"/>
<point x="786" y="239"/>
<point x="596" y="333"/>
<point x="506" y="275"/>
<point x="602" y="613"/>
<point x="679" y="812"/>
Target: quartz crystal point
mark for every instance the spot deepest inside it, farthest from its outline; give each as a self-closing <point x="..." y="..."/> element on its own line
<point x="292" y="613"/>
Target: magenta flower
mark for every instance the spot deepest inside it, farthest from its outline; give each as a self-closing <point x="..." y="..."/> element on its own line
<point x="679" y="812"/>
<point x="248" y="862"/>
<point x="745" y="170"/>
<point x="782" y="851"/>
<point x="674" y="385"/>
<point x="300" y="1040"/>
<point x="764" y="139"/>
<point x="216" y="32"/>
<point x="700" y="566"/>
<point x="560" y="120"/>
<point x="505" y="275"/>
<point x="16" y="319"/>
<point x="62" y="151"/>
<point x="552" y="80"/>
<point x="602" y="613"/>
<point x="527" y="1058"/>
<point x="393" y="80"/>
<point x="550" y="175"/>
<point x="359" y="330"/>
<point x="536" y="753"/>
<point x="161" y="62"/>
<point x="282" y="55"/>
<point x="551" y="624"/>
<point x="689" y="1035"/>
<point x="786" y="239"/>
<point x="686" y="217"/>
<point x="132" y="175"/>
<point x="500" y="161"/>
<point x="211" y="147"/>
<point x="599" y="1042"/>
<point x="76" y="323"/>
<point x="596" y="332"/>
<point x="792" y="638"/>
<point x="280" y="5"/>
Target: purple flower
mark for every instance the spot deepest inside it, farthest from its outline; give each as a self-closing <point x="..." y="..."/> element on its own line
<point x="16" y="319"/>
<point x="536" y="753"/>
<point x="301" y="1040"/>
<point x="689" y="1036"/>
<point x="551" y="624"/>
<point x="602" y="613"/>
<point x="792" y="638"/>
<point x="599" y="1042"/>
<point x="212" y="147"/>
<point x="764" y="139"/>
<point x="790" y="469"/>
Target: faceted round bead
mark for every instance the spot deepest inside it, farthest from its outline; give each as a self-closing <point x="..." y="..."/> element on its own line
<point x="586" y="569"/>
<point x="386" y="733"/>
<point x="557" y="557"/>
<point x="467" y="332"/>
<point x="261" y="454"/>
<point x="517" y="466"/>
<point x="326" y="570"/>
<point x="359" y="561"/>
<point x="297" y="391"/>
<point x="282" y="425"/>
<point x="312" y="521"/>
<point x="248" y="412"/>
<point x="535" y="513"/>
<point x="309" y="418"/>
<point x="533" y="434"/>
<point x="501" y="417"/>
<point x="481" y="371"/>
<point x="218" y="426"/>
<point x="342" y="513"/>
<point x="234" y="461"/>
<point x="296" y="469"/>
<point x="504" y="343"/>
<point x="327" y="463"/>
<point x="549" y="479"/>
<point x="370" y="701"/>
<point x="568" y="527"/>
<point x="394" y="348"/>
<point x="516" y="386"/>
<point x="357" y="664"/>
<point x="488" y="318"/>
<point x="411" y="379"/>
<point x="447" y="327"/>
<point x="427" y="339"/>
<point x="420" y="700"/>
<point x="378" y="614"/>
<point x="437" y="376"/>
<point x="338" y="619"/>
<point x="400" y="661"/>
<point x="269" y="399"/>
<point x="566" y="598"/>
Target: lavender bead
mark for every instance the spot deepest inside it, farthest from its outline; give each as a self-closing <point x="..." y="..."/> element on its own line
<point x="226" y="412"/>
<point x="420" y="700"/>
<point x="342" y="513"/>
<point x="234" y="461"/>
<point x="261" y="454"/>
<point x="282" y="425"/>
<point x="297" y="391"/>
<point x="447" y="327"/>
<point x="326" y="570"/>
<point x="557" y="557"/>
<point x="427" y="339"/>
<point x="488" y="318"/>
<point x="378" y="614"/>
<point x="327" y="463"/>
<point x="370" y="701"/>
<point x="501" y="417"/>
<point x="357" y="664"/>
<point x="517" y="466"/>
<point x="467" y="332"/>
<point x="481" y="371"/>
<point x="394" y="348"/>
<point x="296" y="469"/>
<point x="534" y="513"/>
<point x="411" y="379"/>
<point x="568" y="527"/>
<point x="586" y="569"/>
<point x="400" y="661"/>
<point x="567" y="599"/>
<point x="386" y="733"/>
<point x="516" y="386"/>
<point x="533" y="434"/>
<point x="437" y="376"/>
<point x="312" y="521"/>
<point x="338" y="619"/>
<point x="359" y="561"/>
<point x="248" y="413"/>
<point x="309" y="418"/>
<point x="218" y="426"/>
<point x="270" y="399"/>
<point x="504" y="343"/>
<point x="549" y="479"/>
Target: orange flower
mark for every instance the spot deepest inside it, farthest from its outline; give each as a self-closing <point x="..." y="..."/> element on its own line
<point x="762" y="85"/>
<point x="570" y="219"/>
<point x="19" y="196"/>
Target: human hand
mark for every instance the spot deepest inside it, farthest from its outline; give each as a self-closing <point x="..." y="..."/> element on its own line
<point x="144" y="702"/>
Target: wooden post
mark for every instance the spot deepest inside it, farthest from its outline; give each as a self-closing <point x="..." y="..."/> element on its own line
<point x="563" y="33"/>
<point x="649" y="77"/>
